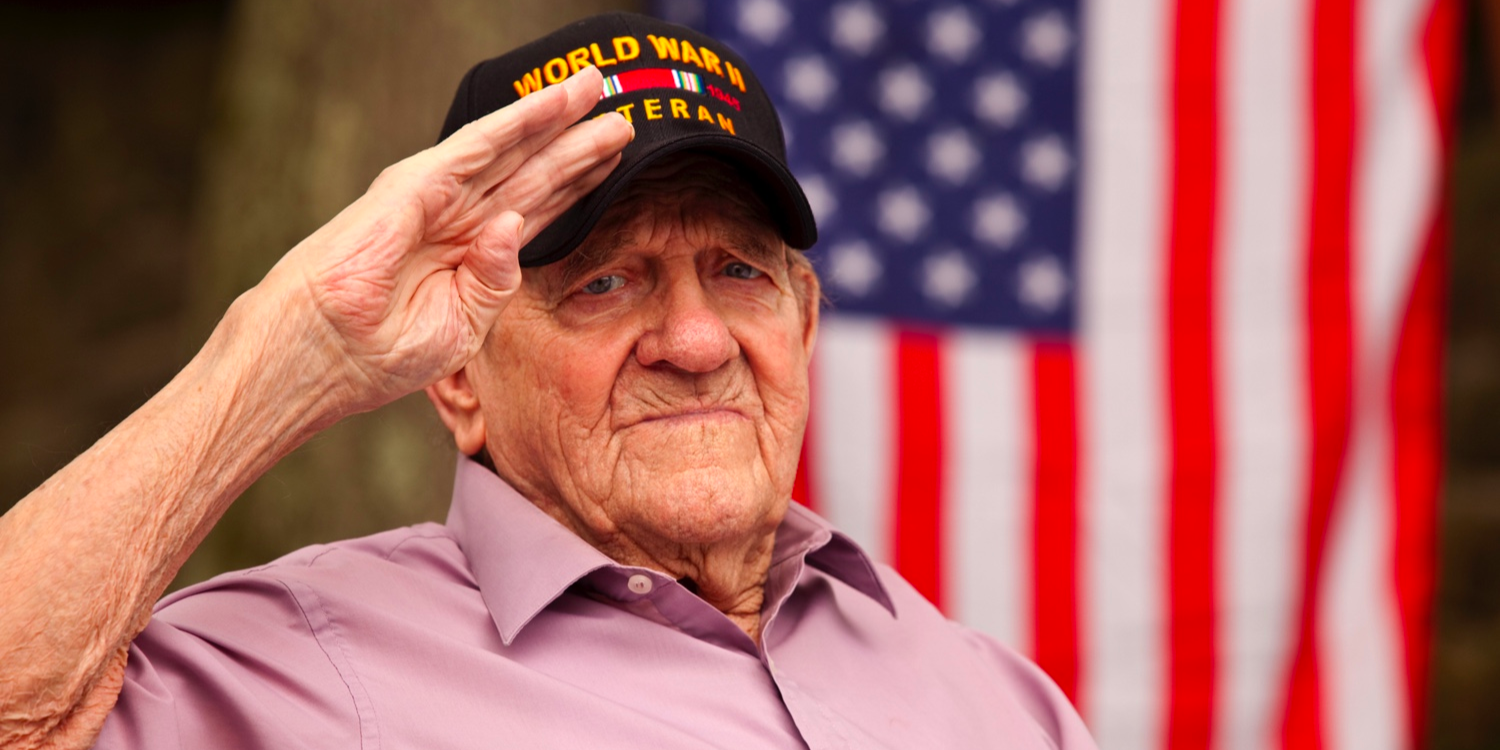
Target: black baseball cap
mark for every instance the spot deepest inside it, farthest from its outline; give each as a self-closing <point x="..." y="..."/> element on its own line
<point x="681" y="90"/>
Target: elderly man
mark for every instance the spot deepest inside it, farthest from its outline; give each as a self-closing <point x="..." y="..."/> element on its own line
<point x="621" y="565"/>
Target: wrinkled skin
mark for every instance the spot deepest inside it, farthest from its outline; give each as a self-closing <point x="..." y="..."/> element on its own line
<point x="650" y="392"/>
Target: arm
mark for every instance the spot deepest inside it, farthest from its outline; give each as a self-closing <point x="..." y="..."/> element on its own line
<point x="397" y="291"/>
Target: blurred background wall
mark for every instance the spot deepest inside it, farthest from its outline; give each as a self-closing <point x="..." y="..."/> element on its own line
<point x="158" y="158"/>
<point x="1467" y="657"/>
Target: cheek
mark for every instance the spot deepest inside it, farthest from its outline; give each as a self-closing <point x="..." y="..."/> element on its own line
<point x="780" y="367"/>
<point x="583" y="378"/>
<point x="565" y="378"/>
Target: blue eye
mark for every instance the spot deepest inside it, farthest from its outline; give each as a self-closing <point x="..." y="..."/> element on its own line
<point x="603" y="285"/>
<point x="742" y="271"/>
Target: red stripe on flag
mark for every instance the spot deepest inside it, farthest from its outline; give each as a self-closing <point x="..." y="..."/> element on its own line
<point x="1055" y="520"/>
<point x="1190" y="375"/>
<point x="1330" y="337"/>
<point x="918" y="448"/>
<point x="1416" y="426"/>
<point x="1416" y="385"/>
<point x="802" y="484"/>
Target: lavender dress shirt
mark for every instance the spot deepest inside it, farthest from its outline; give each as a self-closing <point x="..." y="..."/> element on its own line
<point x="503" y="629"/>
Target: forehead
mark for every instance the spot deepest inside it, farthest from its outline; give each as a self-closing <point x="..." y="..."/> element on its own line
<point x="697" y="195"/>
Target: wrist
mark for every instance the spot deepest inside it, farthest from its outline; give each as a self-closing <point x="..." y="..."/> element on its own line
<point x="267" y="368"/>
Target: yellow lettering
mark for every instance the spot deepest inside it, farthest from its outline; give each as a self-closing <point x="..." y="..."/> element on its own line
<point x="626" y="48"/>
<point x="578" y="59"/>
<point x="556" y="70"/>
<point x="679" y="108"/>
<point x="653" y="109"/>
<point x="599" y="59"/>
<point x="727" y="124"/>
<point x="703" y="113"/>
<point x="666" y="49"/>
<point x="529" y="82"/>
<point x="624" y="109"/>
<point x="690" y="54"/>
<point x="710" y="61"/>
<point x="735" y="78"/>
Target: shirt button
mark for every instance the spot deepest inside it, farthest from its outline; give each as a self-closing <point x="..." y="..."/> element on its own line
<point x="640" y="584"/>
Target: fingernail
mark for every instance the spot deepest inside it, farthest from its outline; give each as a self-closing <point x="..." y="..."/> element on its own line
<point x="627" y="121"/>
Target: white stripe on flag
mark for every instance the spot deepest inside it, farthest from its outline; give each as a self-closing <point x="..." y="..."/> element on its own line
<point x="1395" y="187"/>
<point x="989" y="485"/>
<point x="1122" y="549"/>
<point x="1396" y="171"/>
<point x="1363" y="689"/>
<point x="1261" y="344"/>
<point x="852" y="405"/>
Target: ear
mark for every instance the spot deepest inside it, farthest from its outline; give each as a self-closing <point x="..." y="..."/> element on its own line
<point x="810" y="295"/>
<point x="458" y="407"/>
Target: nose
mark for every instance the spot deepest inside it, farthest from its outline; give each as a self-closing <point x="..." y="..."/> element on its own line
<point x="686" y="331"/>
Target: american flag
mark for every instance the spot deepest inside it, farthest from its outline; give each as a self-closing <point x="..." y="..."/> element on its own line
<point x="1133" y="358"/>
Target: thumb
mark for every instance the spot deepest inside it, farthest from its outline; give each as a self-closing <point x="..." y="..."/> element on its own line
<point x="490" y="271"/>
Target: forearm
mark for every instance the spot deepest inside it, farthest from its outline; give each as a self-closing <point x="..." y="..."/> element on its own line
<point x="84" y="556"/>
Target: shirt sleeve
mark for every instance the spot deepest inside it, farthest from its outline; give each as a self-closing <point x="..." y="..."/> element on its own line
<point x="242" y="662"/>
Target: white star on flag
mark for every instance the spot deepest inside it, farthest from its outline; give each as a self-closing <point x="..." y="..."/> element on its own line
<point x="1045" y="162"/>
<point x="820" y="196"/>
<point x="1042" y="284"/>
<point x="903" y="213"/>
<point x="948" y="279"/>
<point x="952" y="34"/>
<point x="763" y="20"/>
<point x="854" y="268"/>
<point x="999" y="99"/>
<point x="904" y="91"/>
<point x="857" y="148"/>
<point x="1046" y="39"/>
<point x="856" y="27"/>
<point x="998" y="221"/>
<point x="952" y="155"/>
<point x="809" y="81"/>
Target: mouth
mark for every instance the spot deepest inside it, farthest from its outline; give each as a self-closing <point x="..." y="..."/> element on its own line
<point x="699" y="415"/>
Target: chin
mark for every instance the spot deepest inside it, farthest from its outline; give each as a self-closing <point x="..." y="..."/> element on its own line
<point x="708" y="505"/>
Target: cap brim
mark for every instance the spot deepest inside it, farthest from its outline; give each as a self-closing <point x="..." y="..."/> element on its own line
<point x="771" y="181"/>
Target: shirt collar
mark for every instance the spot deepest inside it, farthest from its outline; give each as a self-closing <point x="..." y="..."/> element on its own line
<point x="524" y="559"/>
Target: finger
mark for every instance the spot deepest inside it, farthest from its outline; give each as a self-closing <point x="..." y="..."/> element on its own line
<point x="540" y="209"/>
<point x="543" y="215"/>
<point x="574" y="153"/>
<point x="497" y="143"/>
<point x="615" y="125"/>
<point x="490" y="271"/>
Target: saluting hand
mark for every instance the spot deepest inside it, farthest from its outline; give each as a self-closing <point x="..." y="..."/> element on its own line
<point x="405" y="283"/>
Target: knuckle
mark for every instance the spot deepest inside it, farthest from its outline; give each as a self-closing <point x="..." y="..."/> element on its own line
<point x="395" y="174"/>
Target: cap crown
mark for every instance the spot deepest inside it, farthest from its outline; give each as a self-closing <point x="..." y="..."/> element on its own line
<point x="680" y="90"/>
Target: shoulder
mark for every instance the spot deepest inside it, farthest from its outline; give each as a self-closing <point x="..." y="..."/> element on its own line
<point x="274" y="650"/>
<point x="412" y="554"/>
<point x="297" y="592"/>
<point x="328" y="596"/>
<point x="1036" y="694"/>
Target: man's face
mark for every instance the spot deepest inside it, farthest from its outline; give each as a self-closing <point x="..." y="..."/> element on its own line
<point x="654" y="384"/>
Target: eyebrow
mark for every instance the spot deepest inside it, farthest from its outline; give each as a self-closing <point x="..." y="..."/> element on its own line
<point x="755" y="245"/>
<point x="589" y="256"/>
